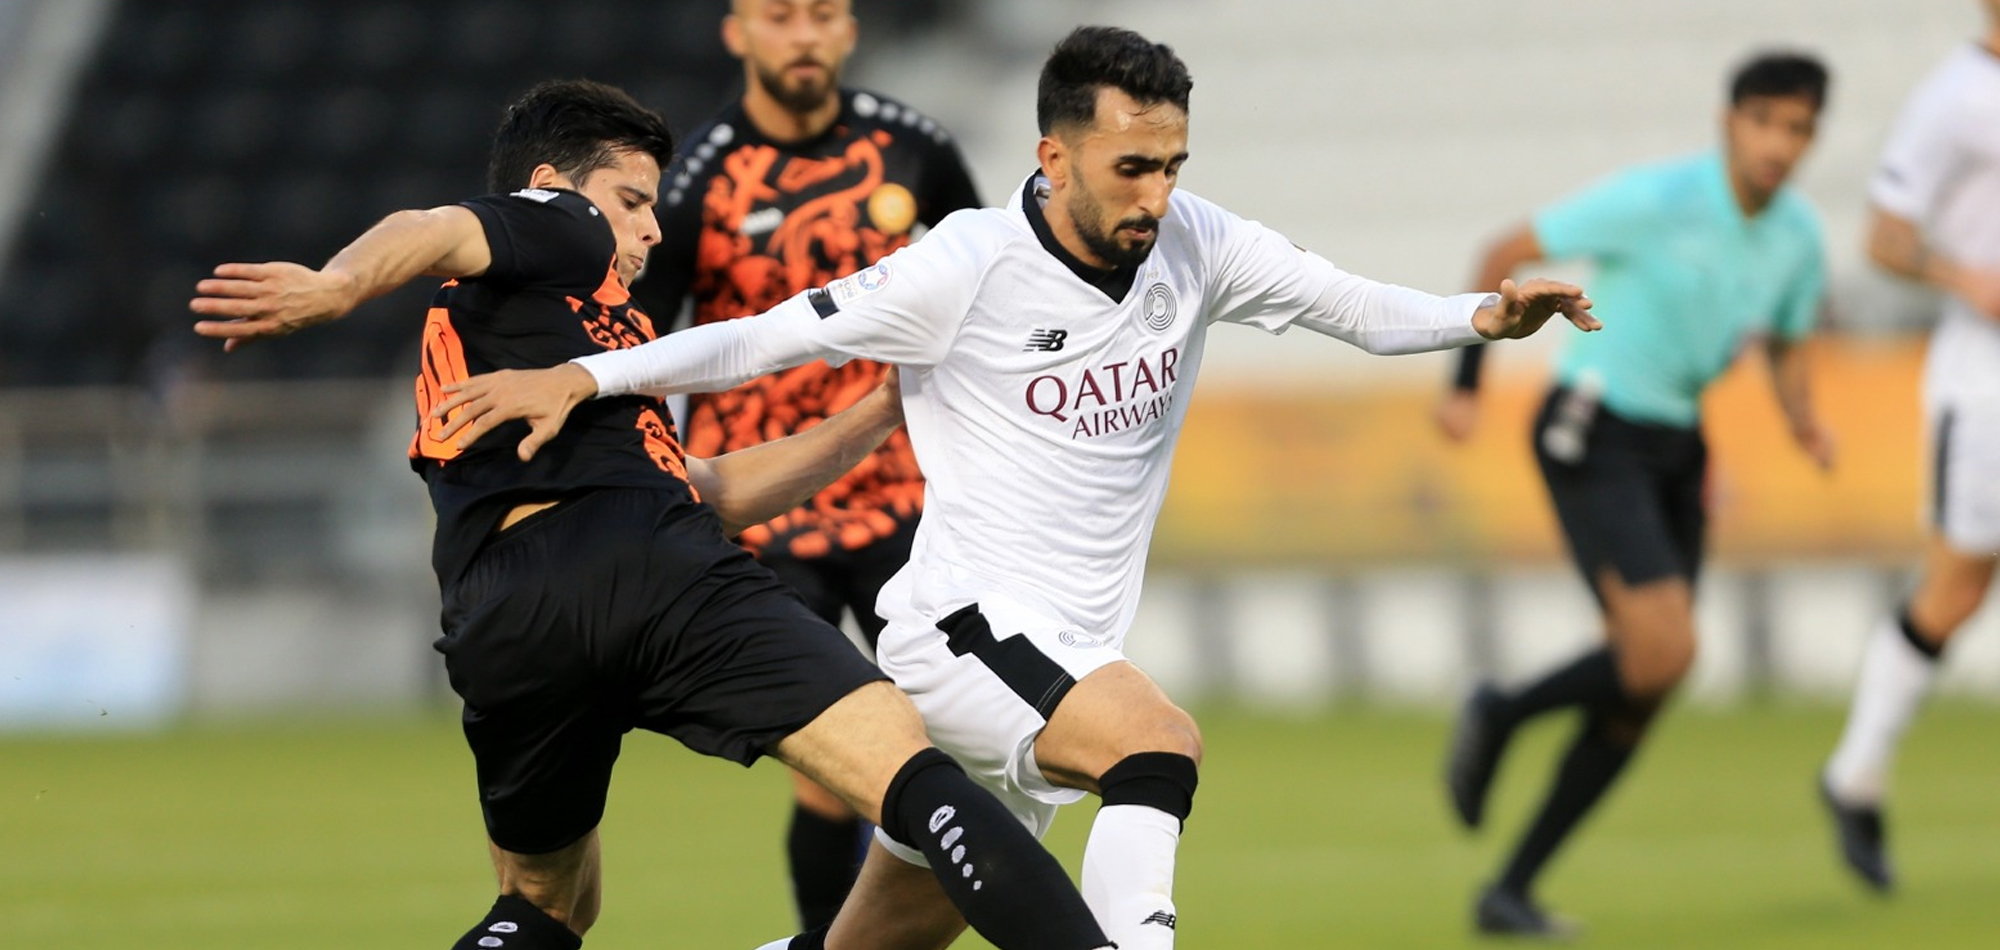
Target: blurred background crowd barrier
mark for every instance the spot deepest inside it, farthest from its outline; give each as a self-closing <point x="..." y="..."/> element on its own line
<point x="188" y="533"/>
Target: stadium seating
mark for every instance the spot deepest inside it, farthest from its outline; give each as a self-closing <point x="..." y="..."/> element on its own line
<point x="212" y="130"/>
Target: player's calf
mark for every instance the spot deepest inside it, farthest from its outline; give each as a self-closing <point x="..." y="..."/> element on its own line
<point x="993" y="870"/>
<point x="1128" y="864"/>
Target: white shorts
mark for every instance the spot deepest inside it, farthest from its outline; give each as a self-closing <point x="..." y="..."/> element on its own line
<point x="986" y="678"/>
<point x="1964" y="503"/>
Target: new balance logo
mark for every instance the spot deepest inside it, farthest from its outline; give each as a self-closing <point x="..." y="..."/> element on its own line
<point x="1046" y="341"/>
<point x="1159" y="917"/>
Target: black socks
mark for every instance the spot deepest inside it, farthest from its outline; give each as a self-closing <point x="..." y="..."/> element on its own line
<point x="1909" y="627"/>
<point x="824" y="857"/>
<point x="1613" y="723"/>
<point x="994" y="871"/>
<point x="1590" y="681"/>
<point x="515" y="923"/>
<point x="1593" y="761"/>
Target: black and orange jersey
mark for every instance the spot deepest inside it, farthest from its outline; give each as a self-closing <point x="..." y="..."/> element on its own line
<point x="550" y="295"/>
<point x="747" y="222"/>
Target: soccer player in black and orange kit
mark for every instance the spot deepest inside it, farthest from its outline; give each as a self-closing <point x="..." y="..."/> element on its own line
<point x="590" y="587"/>
<point x="799" y="182"/>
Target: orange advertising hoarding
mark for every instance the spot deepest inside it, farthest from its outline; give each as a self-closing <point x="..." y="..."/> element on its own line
<point x="1364" y="477"/>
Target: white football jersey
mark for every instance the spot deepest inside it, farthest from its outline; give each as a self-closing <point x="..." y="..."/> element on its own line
<point x="1043" y="399"/>
<point x="1941" y="170"/>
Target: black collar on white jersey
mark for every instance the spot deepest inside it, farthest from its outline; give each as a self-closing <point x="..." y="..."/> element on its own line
<point x="1115" y="282"/>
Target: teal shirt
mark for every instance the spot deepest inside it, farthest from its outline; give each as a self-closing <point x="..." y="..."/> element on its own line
<point x="1682" y="281"/>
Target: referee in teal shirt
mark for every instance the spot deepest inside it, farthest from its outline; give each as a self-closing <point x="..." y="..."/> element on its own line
<point x="1695" y="258"/>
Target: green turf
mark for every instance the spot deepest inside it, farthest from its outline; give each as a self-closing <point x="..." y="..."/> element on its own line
<point x="1327" y="832"/>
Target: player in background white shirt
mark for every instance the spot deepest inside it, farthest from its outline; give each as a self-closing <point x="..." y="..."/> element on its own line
<point x="1047" y="351"/>
<point x="1936" y="203"/>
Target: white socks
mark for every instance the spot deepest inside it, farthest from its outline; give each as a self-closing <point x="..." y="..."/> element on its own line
<point x="1895" y="678"/>
<point x="1128" y="875"/>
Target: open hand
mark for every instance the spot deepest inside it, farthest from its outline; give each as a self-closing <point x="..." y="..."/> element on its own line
<point x="543" y="397"/>
<point x="264" y="300"/>
<point x="1524" y="307"/>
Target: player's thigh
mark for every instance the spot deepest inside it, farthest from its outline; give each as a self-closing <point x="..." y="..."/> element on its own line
<point x="987" y="677"/>
<point x="1965" y="472"/>
<point x="814" y="580"/>
<point x="520" y="632"/>
<point x="1651" y="625"/>
<point x="734" y="661"/>
<point x="1615" y="510"/>
<point x="1950" y="589"/>
<point x="1683" y="474"/>
<point x="895" y="905"/>
<point x="1113" y="713"/>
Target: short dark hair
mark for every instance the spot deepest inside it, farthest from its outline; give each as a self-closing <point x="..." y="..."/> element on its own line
<point x="576" y="125"/>
<point x="1092" y="57"/>
<point x="1780" y="74"/>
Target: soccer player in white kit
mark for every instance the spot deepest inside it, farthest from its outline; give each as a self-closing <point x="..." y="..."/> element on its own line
<point x="1936" y="200"/>
<point x="1047" y="351"/>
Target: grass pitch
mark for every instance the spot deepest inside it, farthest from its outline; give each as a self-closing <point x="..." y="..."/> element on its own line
<point x="1322" y="832"/>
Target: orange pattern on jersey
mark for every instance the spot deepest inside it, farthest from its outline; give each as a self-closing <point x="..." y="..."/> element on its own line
<point x="617" y="325"/>
<point x="613" y="324"/>
<point x="665" y="450"/>
<point x="604" y="326"/>
<point x="441" y="363"/>
<point x="824" y="237"/>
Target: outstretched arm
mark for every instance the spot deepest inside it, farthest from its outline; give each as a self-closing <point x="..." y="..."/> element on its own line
<point x="707" y="358"/>
<point x="751" y="486"/>
<point x="250" y="301"/>
<point x="1791" y="382"/>
<point x="747" y="487"/>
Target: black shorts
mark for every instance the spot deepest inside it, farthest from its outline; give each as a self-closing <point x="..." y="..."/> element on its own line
<point x="617" y="610"/>
<point x="846" y="580"/>
<point x="1633" y="500"/>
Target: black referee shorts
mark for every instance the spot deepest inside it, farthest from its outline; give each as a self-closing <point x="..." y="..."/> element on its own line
<point x="616" y="610"/>
<point x="1633" y="500"/>
<point x="846" y="580"/>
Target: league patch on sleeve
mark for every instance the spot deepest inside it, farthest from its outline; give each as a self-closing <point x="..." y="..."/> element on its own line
<point x="859" y="284"/>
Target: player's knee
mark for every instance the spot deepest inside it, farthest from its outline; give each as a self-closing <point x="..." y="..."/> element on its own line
<point x="1946" y="601"/>
<point x="1160" y="780"/>
<point x="1652" y="672"/>
<point x="1173" y="732"/>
